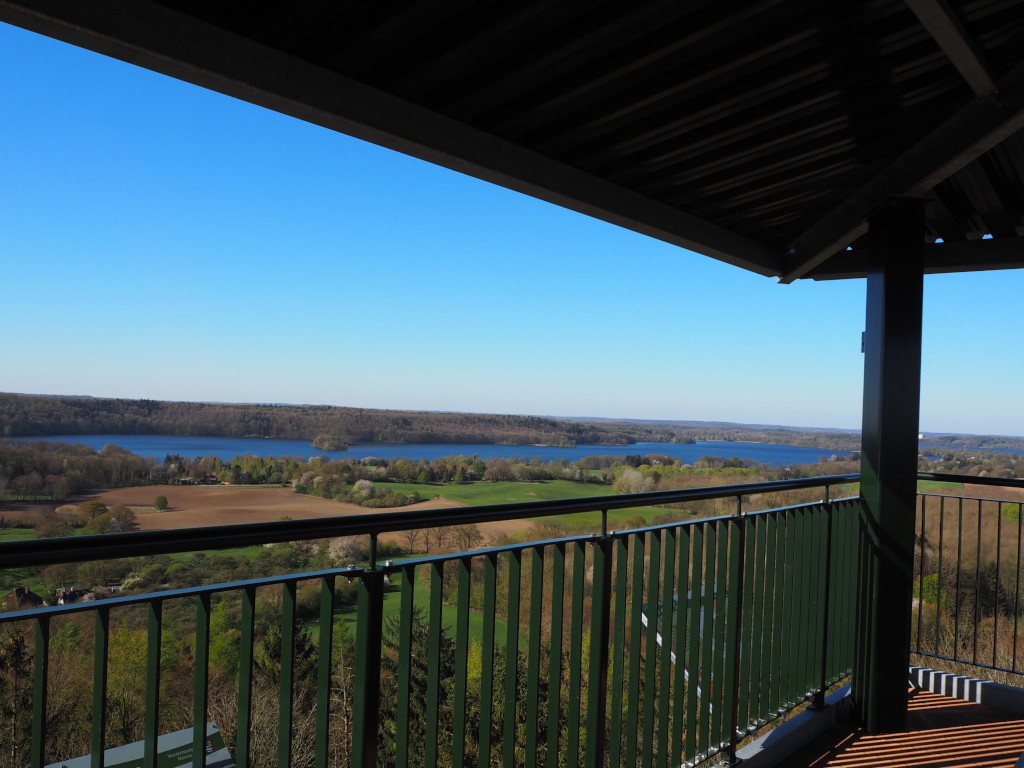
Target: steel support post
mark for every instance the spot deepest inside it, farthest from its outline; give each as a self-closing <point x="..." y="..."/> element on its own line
<point x="892" y="393"/>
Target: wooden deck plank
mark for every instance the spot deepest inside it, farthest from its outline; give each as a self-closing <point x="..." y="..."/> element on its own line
<point x="941" y="733"/>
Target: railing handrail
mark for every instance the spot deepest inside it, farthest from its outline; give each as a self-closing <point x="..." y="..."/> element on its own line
<point x="1008" y="482"/>
<point x="36" y="552"/>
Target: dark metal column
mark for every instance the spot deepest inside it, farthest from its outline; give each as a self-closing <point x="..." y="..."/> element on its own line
<point x="892" y="394"/>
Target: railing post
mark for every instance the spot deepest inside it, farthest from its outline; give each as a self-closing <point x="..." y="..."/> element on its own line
<point x="597" y="715"/>
<point x="369" y="637"/>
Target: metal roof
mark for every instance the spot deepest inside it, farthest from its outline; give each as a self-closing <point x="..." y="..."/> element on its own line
<point x="759" y="133"/>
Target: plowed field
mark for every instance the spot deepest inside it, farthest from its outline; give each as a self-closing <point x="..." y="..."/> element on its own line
<point x="197" y="506"/>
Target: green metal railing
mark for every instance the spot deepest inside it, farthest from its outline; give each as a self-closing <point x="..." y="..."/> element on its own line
<point x="661" y="646"/>
<point x="969" y="584"/>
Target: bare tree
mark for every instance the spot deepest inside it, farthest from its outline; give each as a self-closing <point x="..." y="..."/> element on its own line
<point x="413" y="538"/>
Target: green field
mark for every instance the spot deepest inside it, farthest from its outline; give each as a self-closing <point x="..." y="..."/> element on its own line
<point x="16" y="534"/>
<point x="483" y="492"/>
<point x="935" y="486"/>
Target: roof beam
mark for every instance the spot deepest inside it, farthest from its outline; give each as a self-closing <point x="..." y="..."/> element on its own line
<point x="153" y="36"/>
<point x="969" y="133"/>
<point x="939" y="258"/>
<point x="943" y="25"/>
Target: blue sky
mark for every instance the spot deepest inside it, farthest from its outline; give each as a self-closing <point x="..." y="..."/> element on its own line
<point x="162" y="241"/>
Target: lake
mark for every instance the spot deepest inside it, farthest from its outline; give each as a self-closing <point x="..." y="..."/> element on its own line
<point x="226" y="448"/>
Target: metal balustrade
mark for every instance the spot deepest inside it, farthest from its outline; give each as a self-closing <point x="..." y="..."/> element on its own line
<point x="662" y="645"/>
<point x="968" y="596"/>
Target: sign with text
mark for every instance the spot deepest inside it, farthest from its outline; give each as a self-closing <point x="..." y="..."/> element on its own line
<point x="173" y="750"/>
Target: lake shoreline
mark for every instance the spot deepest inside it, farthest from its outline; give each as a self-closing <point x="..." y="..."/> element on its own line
<point x="158" y="447"/>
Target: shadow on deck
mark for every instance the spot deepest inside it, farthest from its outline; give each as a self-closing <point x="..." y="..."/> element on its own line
<point x="942" y="732"/>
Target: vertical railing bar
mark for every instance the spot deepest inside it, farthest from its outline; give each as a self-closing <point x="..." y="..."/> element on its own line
<point x="369" y="639"/>
<point x="938" y="575"/>
<point x="826" y="603"/>
<point x="667" y="623"/>
<point x="572" y="731"/>
<point x="694" y="631"/>
<point x="758" y="607"/>
<point x="744" y="692"/>
<point x="651" y="649"/>
<point x="635" y="640"/>
<point x="101" y="646"/>
<point x="780" y="605"/>
<point x="814" y="585"/>
<point x="767" y="667"/>
<point x="977" y="587"/>
<point x="811" y="622"/>
<point x="679" y="700"/>
<point x="959" y="563"/>
<point x="202" y="674"/>
<point x="998" y="580"/>
<point x="801" y="613"/>
<point x="1016" y="588"/>
<point x="151" y="727"/>
<point x="287" y="679"/>
<point x="405" y="655"/>
<point x="789" y="590"/>
<point x="773" y="614"/>
<point x="618" y="655"/>
<point x="40" y="671"/>
<point x="461" y="665"/>
<point x="533" y="672"/>
<point x="850" y="561"/>
<point x="434" y="621"/>
<point x="487" y="657"/>
<point x="708" y="599"/>
<point x="245" y="668"/>
<point x="721" y="718"/>
<point x="325" y="651"/>
<point x="833" y="646"/>
<point x="834" y="605"/>
<point x="597" y="691"/>
<point x="920" y="569"/>
<point x="734" y="609"/>
<point x="508" y="743"/>
<point x="555" y="657"/>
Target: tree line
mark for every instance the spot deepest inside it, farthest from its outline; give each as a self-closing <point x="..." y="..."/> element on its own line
<point x="333" y="427"/>
<point x="328" y="426"/>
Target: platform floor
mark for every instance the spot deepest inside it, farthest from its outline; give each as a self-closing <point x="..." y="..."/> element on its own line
<point x="942" y="732"/>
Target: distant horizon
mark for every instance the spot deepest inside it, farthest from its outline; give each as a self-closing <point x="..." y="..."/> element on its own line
<point x="678" y="422"/>
<point x="162" y="241"/>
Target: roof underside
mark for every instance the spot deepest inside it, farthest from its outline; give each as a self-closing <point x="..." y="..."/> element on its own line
<point x="759" y="133"/>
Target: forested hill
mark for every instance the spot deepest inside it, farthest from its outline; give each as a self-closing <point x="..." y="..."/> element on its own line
<point x="22" y="415"/>
<point x="334" y="427"/>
